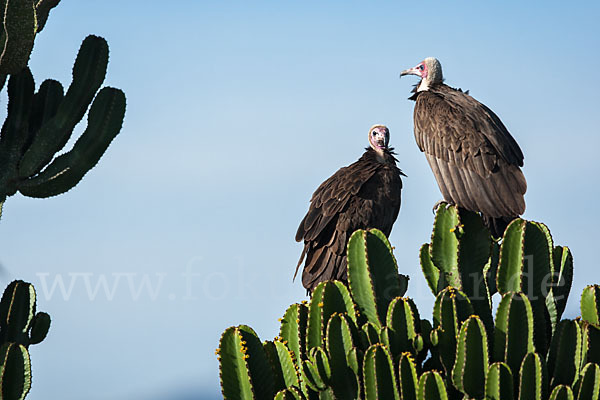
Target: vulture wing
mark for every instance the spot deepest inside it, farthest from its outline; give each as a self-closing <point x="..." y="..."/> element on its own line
<point x="473" y="156"/>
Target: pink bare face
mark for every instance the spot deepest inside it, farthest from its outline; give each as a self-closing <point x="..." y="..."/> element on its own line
<point x="379" y="138"/>
<point x="419" y="70"/>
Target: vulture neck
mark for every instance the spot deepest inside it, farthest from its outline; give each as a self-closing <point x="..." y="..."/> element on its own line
<point x="385" y="156"/>
<point x="424" y="87"/>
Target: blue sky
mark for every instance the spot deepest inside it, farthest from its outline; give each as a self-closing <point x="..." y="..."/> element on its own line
<point x="236" y="111"/>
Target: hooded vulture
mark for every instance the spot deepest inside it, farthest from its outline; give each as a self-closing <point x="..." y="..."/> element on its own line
<point x="475" y="160"/>
<point x="365" y="194"/>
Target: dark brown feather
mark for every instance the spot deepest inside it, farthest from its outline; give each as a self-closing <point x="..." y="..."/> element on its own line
<point x="474" y="159"/>
<point x="365" y="194"/>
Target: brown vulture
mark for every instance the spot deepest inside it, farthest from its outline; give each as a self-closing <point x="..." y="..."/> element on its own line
<point x="475" y="160"/>
<point x="365" y="194"/>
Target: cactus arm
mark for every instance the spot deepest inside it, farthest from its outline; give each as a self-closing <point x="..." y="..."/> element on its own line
<point x="359" y="278"/>
<point x="15" y="371"/>
<point x="281" y="358"/>
<point x="564" y="357"/>
<point x="444" y="243"/>
<point x="346" y="298"/>
<point x="378" y="374"/>
<point x="44" y="105"/>
<point x="408" y="378"/>
<point x="513" y="333"/>
<point x="244" y="368"/>
<point x="104" y="123"/>
<point x="563" y="269"/>
<point x="340" y="342"/>
<point x="526" y="265"/>
<point x="474" y="252"/>
<point x="491" y="270"/>
<point x="590" y="304"/>
<point x="588" y="385"/>
<point x="430" y="271"/>
<point x="562" y="392"/>
<point x="511" y="256"/>
<point x="17" y="34"/>
<point x="88" y="74"/>
<point x="289" y="394"/>
<point x="17" y="308"/>
<point x="432" y="386"/>
<point x="470" y="368"/>
<point x="451" y="308"/>
<point x="15" y="129"/>
<point x="499" y="382"/>
<point x="293" y="330"/>
<point x="404" y="323"/>
<point x="533" y="378"/>
<point x="316" y="320"/>
<point x="373" y="274"/>
<point x="42" y="10"/>
<point x="234" y="370"/>
<point x="39" y="328"/>
<point x="591" y="343"/>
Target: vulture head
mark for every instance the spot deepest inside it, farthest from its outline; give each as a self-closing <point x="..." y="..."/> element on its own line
<point x="379" y="137"/>
<point x="430" y="71"/>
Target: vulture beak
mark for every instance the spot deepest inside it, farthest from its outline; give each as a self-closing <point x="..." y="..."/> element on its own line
<point x="411" y="71"/>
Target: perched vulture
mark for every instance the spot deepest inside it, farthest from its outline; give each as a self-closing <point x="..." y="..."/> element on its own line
<point x="475" y="160"/>
<point x="365" y="194"/>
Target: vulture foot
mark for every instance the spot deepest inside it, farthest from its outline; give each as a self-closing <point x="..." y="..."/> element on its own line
<point x="439" y="203"/>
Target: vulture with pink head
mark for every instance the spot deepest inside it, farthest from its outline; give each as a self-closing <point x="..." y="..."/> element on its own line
<point x="475" y="160"/>
<point x="363" y="195"/>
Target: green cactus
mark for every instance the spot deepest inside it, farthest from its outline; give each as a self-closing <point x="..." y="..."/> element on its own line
<point x="470" y="369"/>
<point x="404" y="325"/>
<point x="499" y="382"/>
<point x="533" y="378"/>
<point x="341" y="339"/>
<point x="39" y="125"/>
<point x="513" y="334"/>
<point x="408" y="378"/>
<point x="328" y="298"/>
<point x="590" y="343"/>
<point x="373" y="274"/>
<point x="19" y="322"/>
<point x="15" y="371"/>
<point x="458" y="255"/>
<point x="588" y="385"/>
<point x="527" y="265"/>
<point x="590" y="304"/>
<point x="562" y="392"/>
<point x="378" y="374"/>
<point x="244" y="367"/>
<point x="293" y="330"/>
<point x="20" y="327"/>
<point x="289" y="394"/>
<point x="285" y="370"/>
<point x="432" y="386"/>
<point x="563" y="271"/>
<point x="451" y="308"/>
<point x="564" y="357"/>
<point x="363" y="343"/>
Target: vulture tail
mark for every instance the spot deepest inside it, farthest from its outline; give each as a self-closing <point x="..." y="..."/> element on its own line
<point x="497" y="226"/>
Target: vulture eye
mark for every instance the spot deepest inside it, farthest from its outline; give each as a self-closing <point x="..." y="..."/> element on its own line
<point x="421" y="67"/>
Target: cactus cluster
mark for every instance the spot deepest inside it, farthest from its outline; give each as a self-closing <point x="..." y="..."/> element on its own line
<point x="39" y="124"/>
<point x="20" y="327"/>
<point x="366" y="341"/>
